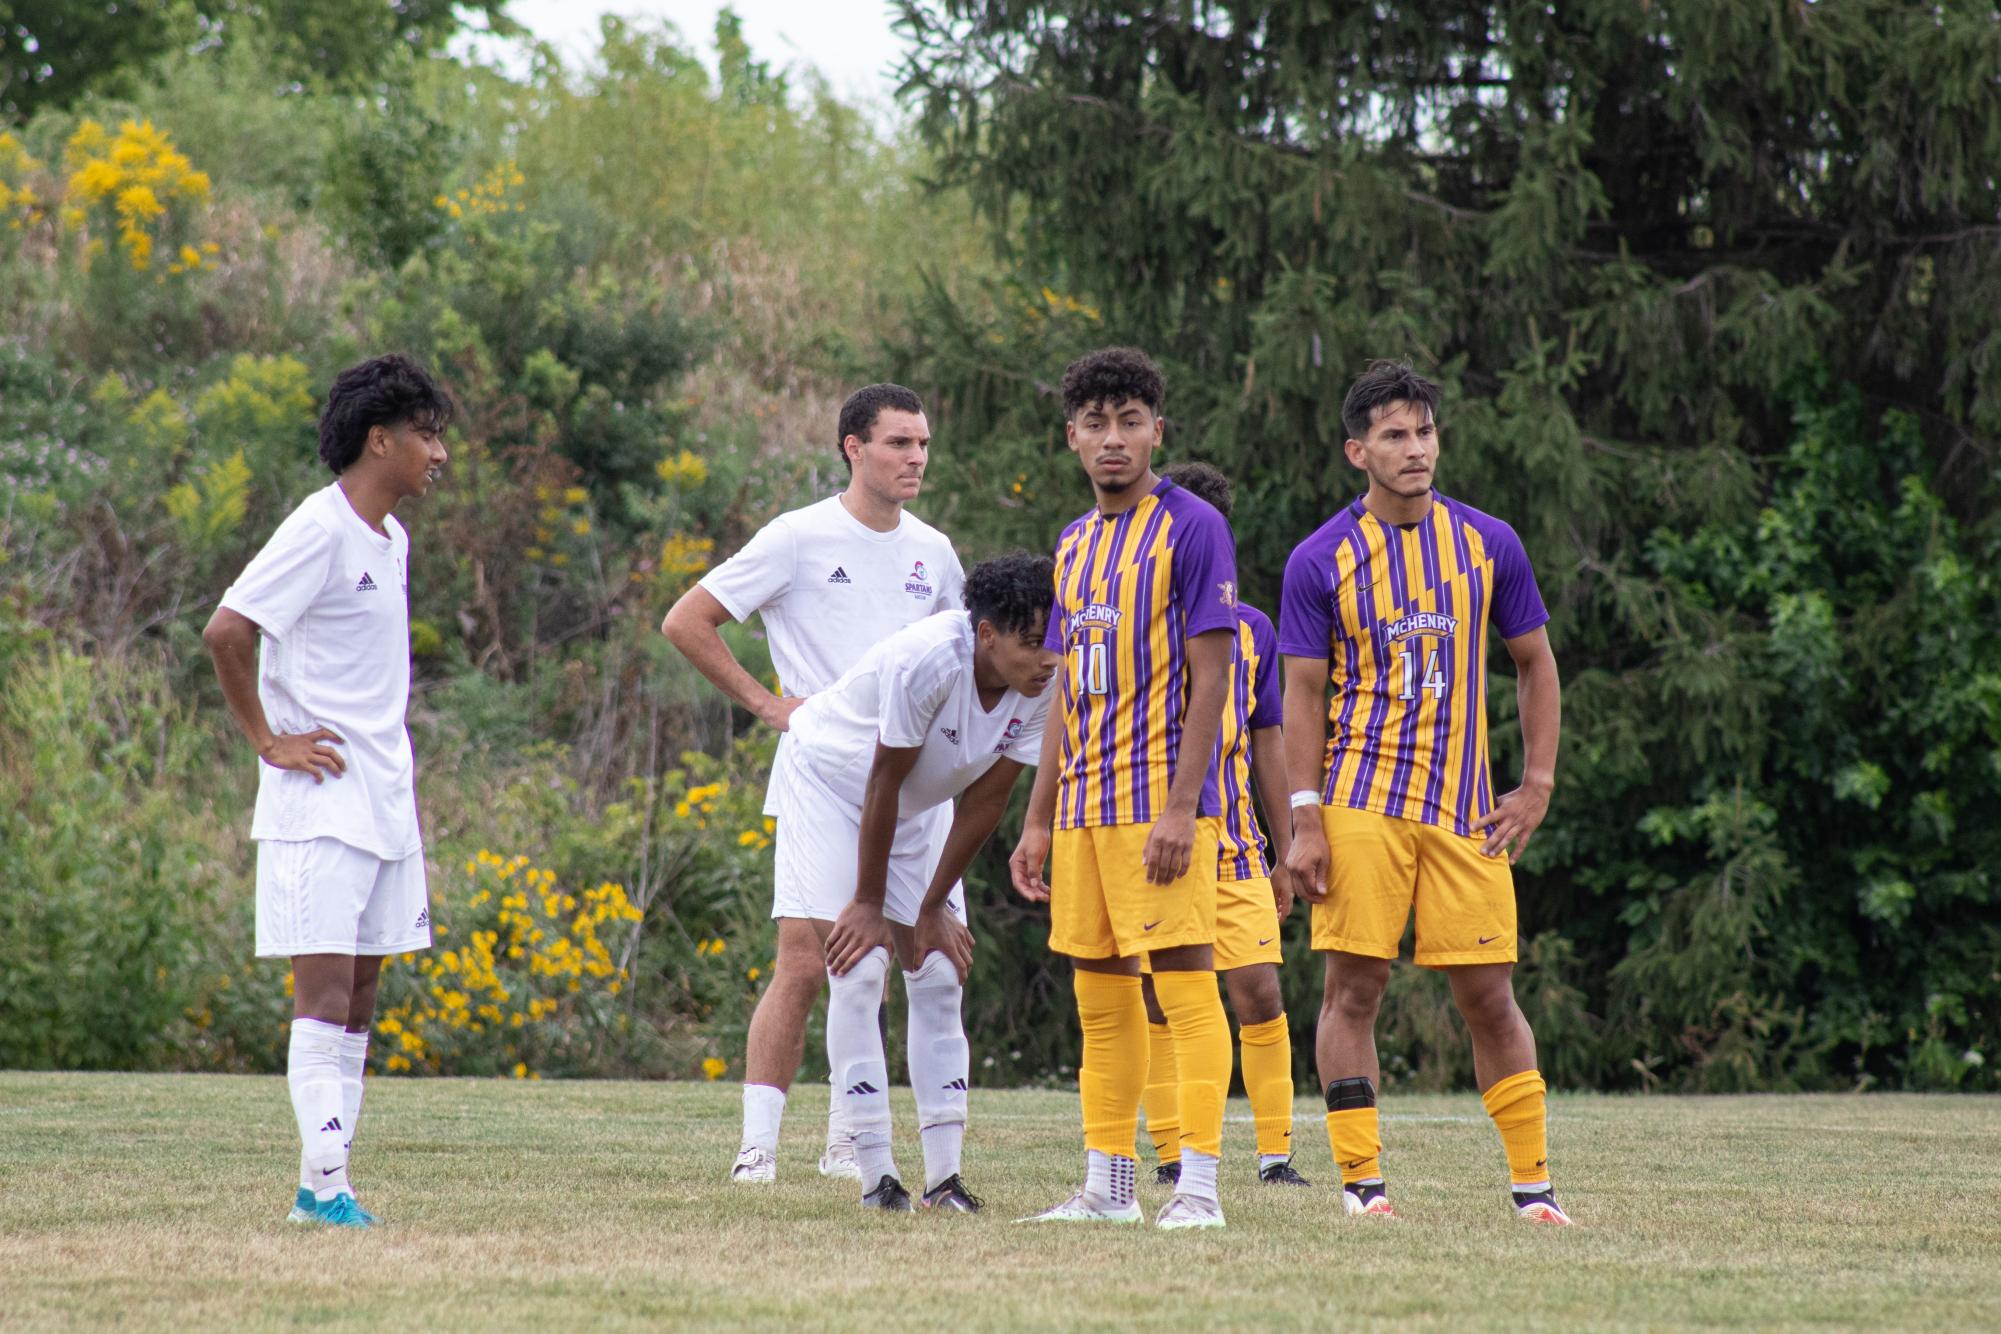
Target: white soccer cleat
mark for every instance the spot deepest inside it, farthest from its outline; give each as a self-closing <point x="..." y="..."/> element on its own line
<point x="1079" y="1208"/>
<point x="1182" y="1211"/>
<point x="754" y="1166"/>
<point x="1366" y="1201"/>
<point x="838" y="1160"/>
<point x="1541" y="1208"/>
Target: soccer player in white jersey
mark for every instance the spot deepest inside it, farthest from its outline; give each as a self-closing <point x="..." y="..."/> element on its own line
<point x="951" y="707"/>
<point x="829" y="581"/>
<point x="340" y="858"/>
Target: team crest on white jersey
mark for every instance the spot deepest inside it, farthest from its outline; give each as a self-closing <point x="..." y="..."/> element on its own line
<point x="1009" y="735"/>
<point x="918" y="582"/>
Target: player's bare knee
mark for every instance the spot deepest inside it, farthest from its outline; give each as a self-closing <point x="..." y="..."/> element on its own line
<point x="1354" y="998"/>
<point x="1488" y="1010"/>
<point x="1255" y="995"/>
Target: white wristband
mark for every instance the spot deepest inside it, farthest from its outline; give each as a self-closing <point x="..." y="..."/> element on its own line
<point x="1306" y="796"/>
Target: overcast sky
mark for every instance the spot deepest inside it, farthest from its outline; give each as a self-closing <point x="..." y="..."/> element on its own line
<point x="850" y="41"/>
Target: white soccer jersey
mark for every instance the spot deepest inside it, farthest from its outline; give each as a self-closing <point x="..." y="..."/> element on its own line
<point x="916" y="689"/>
<point x="330" y="595"/>
<point x="828" y="586"/>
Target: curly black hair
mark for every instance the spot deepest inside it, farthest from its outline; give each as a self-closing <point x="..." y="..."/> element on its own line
<point x="858" y="414"/>
<point x="1205" y="481"/>
<point x="1382" y="384"/>
<point x="1011" y="592"/>
<point x="382" y="391"/>
<point x="1111" y="375"/>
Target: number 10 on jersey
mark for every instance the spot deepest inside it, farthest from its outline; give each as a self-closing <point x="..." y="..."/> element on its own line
<point x="1094" y="669"/>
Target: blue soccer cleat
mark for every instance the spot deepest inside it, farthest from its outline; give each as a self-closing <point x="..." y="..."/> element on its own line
<point x="305" y="1209"/>
<point x="340" y="1211"/>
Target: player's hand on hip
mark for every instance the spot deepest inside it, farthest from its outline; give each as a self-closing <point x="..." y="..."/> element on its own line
<point x="860" y="928"/>
<point x="1031" y="854"/>
<point x="779" y="714"/>
<point x="1307" y="859"/>
<point x="306" y="753"/>
<point x="937" y="930"/>
<point x="1170" y="845"/>
<point x="1514" y="820"/>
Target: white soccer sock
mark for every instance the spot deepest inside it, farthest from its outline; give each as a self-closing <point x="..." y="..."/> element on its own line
<point x="1198" y="1175"/>
<point x="353" y="1065"/>
<point x="861" y="1071"/>
<point x="1110" y="1180"/>
<point x="1266" y="1160"/>
<point x="763" y="1109"/>
<point x="940" y="1061"/>
<point x="312" y="1072"/>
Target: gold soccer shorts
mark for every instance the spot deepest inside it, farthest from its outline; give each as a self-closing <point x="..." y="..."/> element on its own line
<point x="1380" y="867"/>
<point x="1101" y="907"/>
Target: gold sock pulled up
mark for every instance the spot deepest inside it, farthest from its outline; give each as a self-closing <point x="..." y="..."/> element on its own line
<point x="1267" y="1049"/>
<point x="1201" y="1034"/>
<point x="1520" y="1107"/>
<point x="1163" y="1094"/>
<point x="1113" y="1073"/>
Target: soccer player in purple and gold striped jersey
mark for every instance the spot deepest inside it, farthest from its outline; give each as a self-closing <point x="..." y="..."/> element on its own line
<point x="1146" y="617"/>
<point x="1388" y="603"/>
<point x="1252" y="895"/>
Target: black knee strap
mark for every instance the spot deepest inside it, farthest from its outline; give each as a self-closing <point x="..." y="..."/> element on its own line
<point x="1346" y="1095"/>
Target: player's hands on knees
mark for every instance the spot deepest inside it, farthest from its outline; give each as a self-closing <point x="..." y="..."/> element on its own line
<point x="860" y="928"/>
<point x="937" y="930"/>
<point x="1031" y="854"/>
<point x="1515" y="817"/>
<point x="306" y="753"/>
<point x="1170" y="846"/>
<point x="1307" y="859"/>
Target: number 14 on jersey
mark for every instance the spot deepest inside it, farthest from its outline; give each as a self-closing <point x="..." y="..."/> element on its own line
<point x="1433" y="680"/>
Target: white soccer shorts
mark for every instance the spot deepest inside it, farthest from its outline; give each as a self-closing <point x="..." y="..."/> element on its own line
<point x="819" y="844"/>
<point x="323" y="896"/>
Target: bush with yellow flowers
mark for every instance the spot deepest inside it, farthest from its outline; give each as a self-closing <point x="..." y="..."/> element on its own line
<point x="524" y="978"/>
<point x="136" y="187"/>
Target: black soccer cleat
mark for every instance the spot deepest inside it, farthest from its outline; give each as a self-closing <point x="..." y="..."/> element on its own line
<point x="1168" y="1174"/>
<point x="951" y="1196"/>
<point x="1281" y="1174"/>
<point x="888" y="1195"/>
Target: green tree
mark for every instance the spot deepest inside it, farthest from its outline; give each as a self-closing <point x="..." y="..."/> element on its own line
<point x="1715" y="294"/>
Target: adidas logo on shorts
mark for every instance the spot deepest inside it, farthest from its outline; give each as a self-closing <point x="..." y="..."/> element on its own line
<point x="366" y="585"/>
<point x="423" y="919"/>
<point x="839" y="576"/>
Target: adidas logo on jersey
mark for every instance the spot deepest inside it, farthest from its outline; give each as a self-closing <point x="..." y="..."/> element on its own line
<point x="366" y="585"/>
<point x="839" y="576"/>
<point x="861" y="1089"/>
<point x="951" y="734"/>
<point x="423" y="919"/>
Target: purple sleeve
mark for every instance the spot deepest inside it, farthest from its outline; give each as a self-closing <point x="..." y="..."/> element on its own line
<point x="1267" y="698"/>
<point x="1305" y="604"/>
<point x="1518" y="605"/>
<point x="1052" y="637"/>
<point x="1205" y="571"/>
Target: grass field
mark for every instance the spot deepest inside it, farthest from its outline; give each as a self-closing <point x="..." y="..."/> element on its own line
<point x="159" y="1201"/>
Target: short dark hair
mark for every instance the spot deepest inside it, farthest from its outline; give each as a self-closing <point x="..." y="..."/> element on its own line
<point x="1205" y="481"/>
<point x="382" y="391"/>
<point x="1111" y="375"/>
<point x="858" y="414"/>
<point x="1384" y="383"/>
<point x="1008" y="592"/>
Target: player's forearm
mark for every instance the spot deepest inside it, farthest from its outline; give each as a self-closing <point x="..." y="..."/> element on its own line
<point x="232" y="646"/>
<point x="1042" y="794"/>
<point x="1539" y="696"/>
<point x="878" y="835"/>
<point x="699" y="642"/>
<point x="973" y="823"/>
<point x="1305" y="727"/>
<point x="1208" y="690"/>
<point x="1268" y="776"/>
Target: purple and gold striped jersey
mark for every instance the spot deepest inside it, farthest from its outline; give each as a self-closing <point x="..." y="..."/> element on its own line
<point x="1256" y="702"/>
<point x="1131" y="590"/>
<point x="1401" y="614"/>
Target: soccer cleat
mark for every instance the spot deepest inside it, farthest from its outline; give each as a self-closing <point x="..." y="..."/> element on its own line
<point x="754" y="1166"/>
<point x="1367" y="1200"/>
<point x="1540" y="1207"/>
<point x="1281" y="1174"/>
<point x="342" y="1211"/>
<point x="889" y="1196"/>
<point x="1080" y="1209"/>
<point x="305" y="1209"/>
<point x="1168" y="1174"/>
<point x="1185" y="1211"/>
<point x="951" y="1196"/>
<point x="838" y="1160"/>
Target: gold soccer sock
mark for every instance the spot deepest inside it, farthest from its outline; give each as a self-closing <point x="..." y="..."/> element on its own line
<point x="1113" y="1073"/>
<point x="1162" y="1100"/>
<point x="1354" y="1132"/>
<point x="1268" y="1081"/>
<point x="1202" y="1054"/>
<point x="1519" y="1107"/>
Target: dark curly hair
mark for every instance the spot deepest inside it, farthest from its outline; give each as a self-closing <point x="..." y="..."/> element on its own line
<point x="1010" y="592"/>
<point x="1205" y="481"/>
<point x="1111" y="375"/>
<point x="382" y="391"/>
<point x="858" y="414"/>
<point x="1384" y="383"/>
